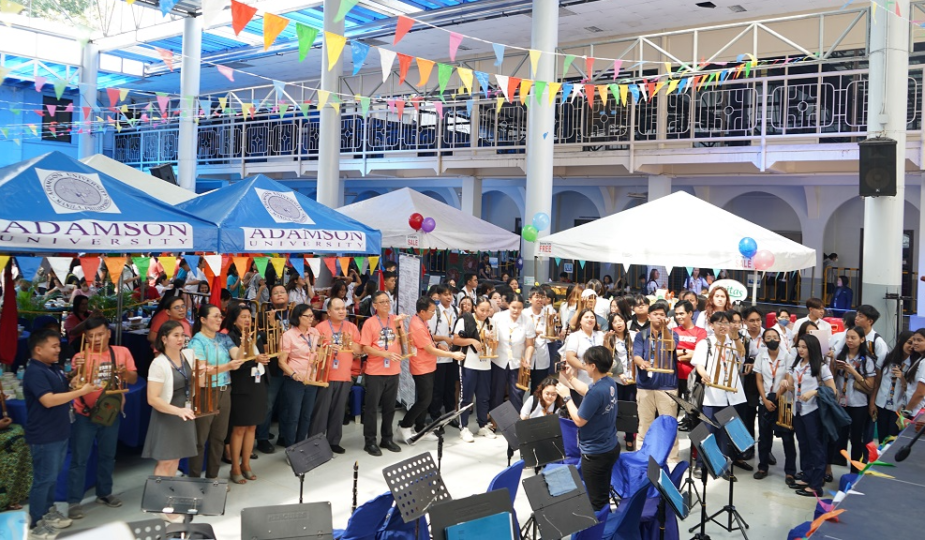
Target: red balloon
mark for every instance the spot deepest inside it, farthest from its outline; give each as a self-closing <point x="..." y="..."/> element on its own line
<point x="416" y="220"/>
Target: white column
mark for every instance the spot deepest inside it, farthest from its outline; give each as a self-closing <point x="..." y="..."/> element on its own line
<point x="89" y="66"/>
<point x="540" y="126"/>
<point x="886" y="116"/>
<point x="330" y="185"/>
<point x="471" y="200"/>
<point x="189" y="102"/>
<point x="659" y="186"/>
<point x="920" y="267"/>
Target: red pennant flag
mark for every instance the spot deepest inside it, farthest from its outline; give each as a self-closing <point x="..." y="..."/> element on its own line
<point x="404" y="62"/>
<point x="651" y="89"/>
<point x="166" y="56"/>
<point x="39" y="112"/>
<point x="589" y="67"/>
<point x="512" y="84"/>
<point x="331" y="263"/>
<point x="113" y="94"/>
<point x="86" y="112"/>
<point x="241" y="14"/>
<point x="402" y="27"/>
<point x="589" y="94"/>
<point x="90" y="266"/>
<point x="400" y="109"/>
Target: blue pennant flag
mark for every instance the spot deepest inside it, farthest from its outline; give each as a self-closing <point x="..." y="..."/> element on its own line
<point x="499" y="53"/>
<point x="298" y="264"/>
<point x="716" y="272"/>
<point x="192" y="261"/>
<point x="482" y="77"/>
<point x="166" y="6"/>
<point x="469" y="104"/>
<point x="566" y="90"/>
<point x="581" y="263"/>
<point x="558" y="260"/>
<point x="359" y="51"/>
<point x="28" y="266"/>
<point x="635" y="92"/>
<point x="690" y="270"/>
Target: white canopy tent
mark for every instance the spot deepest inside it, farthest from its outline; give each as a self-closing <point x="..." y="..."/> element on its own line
<point x="455" y="229"/>
<point x="151" y="185"/>
<point x="664" y="235"/>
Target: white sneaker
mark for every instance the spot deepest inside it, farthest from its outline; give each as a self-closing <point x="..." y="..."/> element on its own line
<point x="56" y="519"/>
<point x="43" y="531"/>
<point x="466" y="435"/>
<point x="430" y="437"/>
<point x="406" y="434"/>
<point x="484" y="431"/>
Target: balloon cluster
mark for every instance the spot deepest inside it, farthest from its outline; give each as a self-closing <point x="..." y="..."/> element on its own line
<point x="762" y="259"/>
<point x="540" y="223"/>
<point x="421" y="223"/>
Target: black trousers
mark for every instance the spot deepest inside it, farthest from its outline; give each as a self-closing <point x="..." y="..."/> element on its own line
<point x="380" y="390"/>
<point x="596" y="470"/>
<point x="444" y="396"/>
<point x="856" y="433"/>
<point x="424" y="392"/>
<point x="767" y="428"/>
<point x="886" y="423"/>
<point x="812" y="451"/>
<point x="504" y="380"/>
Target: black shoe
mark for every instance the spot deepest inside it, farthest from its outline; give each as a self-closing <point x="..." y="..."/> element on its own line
<point x="744" y="465"/>
<point x="254" y="455"/>
<point x="372" y="449"/>
<point x="272" y="436"/>
<point x="806" y="492"/>
<point x="828" y="478"/>
<point x="790" y="481"/>
<point x="346" y="420"/>
<point x="750" y="454"/>
<point x="760" y="475"/>
<point x="389" y="445"/>
<point x="266" y="447"/>
<point x="798" y="476"/>
<point x="282" y="443"/>
<point x="771" y="459"/>
<point x="338" y="449"/>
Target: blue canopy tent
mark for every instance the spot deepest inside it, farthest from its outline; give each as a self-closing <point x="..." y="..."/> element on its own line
<point x="260" y="215"/>
<point x="53" y="203"/>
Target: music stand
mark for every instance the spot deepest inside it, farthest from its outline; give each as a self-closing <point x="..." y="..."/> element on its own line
<point x="187" y="497"/>
<point x="742" y="441"/>
<point x="627" y="416"/>
<point x="714" y="462"/>
<point x="506" y="417"/>
<point x="694" y="413"/>
<point x="540" y="440"/>
<point x="557" y="517"/>
<point x="312" y="521"/>
<point x="668" y="493"/>
<point x="308" y="455"/>
<point x="456" y="511"/>
<point x="415" y="484"/>
<point x="436" y="427"/>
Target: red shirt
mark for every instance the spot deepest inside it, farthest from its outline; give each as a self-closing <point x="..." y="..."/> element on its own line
<point x="158" y="320"/>
<point x="422" y="362"/>
<point x="381" y="335"/>
<point x="123" y="358"/>
<point x="687" y="340"/>
<point x="345" y="359"/>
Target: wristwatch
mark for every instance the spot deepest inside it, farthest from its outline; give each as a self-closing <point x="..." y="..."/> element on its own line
<point x="566" y="399"/>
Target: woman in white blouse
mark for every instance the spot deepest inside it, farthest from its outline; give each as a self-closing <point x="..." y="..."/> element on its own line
<point x="516" y="333"/>
<point x="586" y="336"/>
<point x="890" y="384"/>
<point x="298" y="293"/>
<point x="568" y="308"/>
<point x="542" y="402"/>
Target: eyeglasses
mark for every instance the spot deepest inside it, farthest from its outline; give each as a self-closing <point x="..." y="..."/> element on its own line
<point x="309" y="315"/>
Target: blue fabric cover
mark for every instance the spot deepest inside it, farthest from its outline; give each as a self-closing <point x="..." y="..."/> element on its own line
<point x="629" y="474"/>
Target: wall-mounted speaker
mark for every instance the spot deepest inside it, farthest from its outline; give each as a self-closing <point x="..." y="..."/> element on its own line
<point x="877" y="163"/>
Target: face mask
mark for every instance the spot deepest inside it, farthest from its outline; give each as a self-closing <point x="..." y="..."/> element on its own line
<point x="772" y="345"/>
<point x="783" y="322"/>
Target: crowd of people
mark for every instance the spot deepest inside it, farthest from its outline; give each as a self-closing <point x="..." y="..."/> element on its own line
<point x="472" y="345"/>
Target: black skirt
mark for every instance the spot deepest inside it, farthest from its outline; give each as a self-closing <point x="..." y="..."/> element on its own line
<point x="248" y="397"/>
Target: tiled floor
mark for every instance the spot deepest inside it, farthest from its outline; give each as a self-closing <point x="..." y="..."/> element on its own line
<point x="769" y="507"/>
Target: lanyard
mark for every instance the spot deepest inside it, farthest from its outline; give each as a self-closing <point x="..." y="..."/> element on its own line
<point x="309" y="342"/>
<point x="336" y="335"/>
<point x="798" y="401"/>
<point x="774" y="369"/>
<point x="432" y="342"/>
<point x="844" y="386"/>
<point x="181" y="372"/>
<point x="889" y="401"/>
<point x="383" y="332"/>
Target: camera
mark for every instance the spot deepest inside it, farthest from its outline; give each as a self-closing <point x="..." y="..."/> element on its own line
<point x="560" y="366"/>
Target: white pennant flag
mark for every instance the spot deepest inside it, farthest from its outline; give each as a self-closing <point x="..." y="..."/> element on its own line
<point x="502" y="82"/>
<point x="215" y="263"/>
<point x="386" y="59"/>
<point x="626" y="267"/>
<point x="211" y="9"/>
<point x="61" y="266"/>
<point x="668" y="271"/>
<point x="315" y="264"/>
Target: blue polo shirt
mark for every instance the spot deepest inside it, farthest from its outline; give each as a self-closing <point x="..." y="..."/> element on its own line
<point x="599" y="408"/>
<point x="650" y="380"/>
<point x="215" y="351"/>
<point x="45" y="425"/>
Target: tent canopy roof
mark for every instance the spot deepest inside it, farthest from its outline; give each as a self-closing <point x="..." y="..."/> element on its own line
<point x="663" y="242"/>
<point x="455" y="229"/>
<point x="154" y="187"/>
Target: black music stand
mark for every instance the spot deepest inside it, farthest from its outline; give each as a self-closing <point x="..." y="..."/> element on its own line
<point x="416" y="485"/>
<point x="668" y="494"/>
<point x="308" y="455"/>
<point x="506" y="417"/>
<point x="453" y="512"/>
<point x="714" y="462"/>
<point x="694" y="413"/>
<point x="436" y="427"/>
<point x="149" y="529"/>
<point x="557" y="517"/>
<point x="312" y="521"/>
<point x="627" y="416"/>
<point x="187" y="497"/>
<point x="742" y="441"/>
<point x="540" y="440"/>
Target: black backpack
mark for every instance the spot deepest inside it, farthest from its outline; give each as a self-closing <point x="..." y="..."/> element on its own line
<point x="109" y="406"/>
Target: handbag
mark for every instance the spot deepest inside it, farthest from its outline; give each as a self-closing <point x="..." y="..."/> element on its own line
<point x="109" y="406"/>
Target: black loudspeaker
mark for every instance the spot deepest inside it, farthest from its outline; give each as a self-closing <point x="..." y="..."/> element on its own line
<point x="165" y="173"/>
<point x="877" y="163"/>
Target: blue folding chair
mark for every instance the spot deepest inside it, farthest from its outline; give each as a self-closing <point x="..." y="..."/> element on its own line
<point x="509" y="478"/>
<point x="570" y="439"/>
<point x="624" y="523"/>
<point x="677" y="475"/>
<point x="629" y="474"/>
<point x="394" y="527"/>
<point x="365" y="522"/>
<point x="596" y="532"/>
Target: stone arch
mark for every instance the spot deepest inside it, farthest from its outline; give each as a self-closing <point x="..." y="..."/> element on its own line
<point x="768" y="210"/>
<point x="571" y="204"/>
<point x="435" y="196"/>
<point x="364" y="195"/>
<point x="501" y="208"/>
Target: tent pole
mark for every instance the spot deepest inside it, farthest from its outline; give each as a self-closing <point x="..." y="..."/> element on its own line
<point x="755" y="289"/>
<point x="119" y="310"/>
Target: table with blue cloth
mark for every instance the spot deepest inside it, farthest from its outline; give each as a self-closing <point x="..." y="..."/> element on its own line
<point x="132" y="431"/>
<point x="136" y="341"/>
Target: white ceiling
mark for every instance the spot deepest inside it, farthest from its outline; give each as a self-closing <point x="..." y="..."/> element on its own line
<point x="616" y="17"/>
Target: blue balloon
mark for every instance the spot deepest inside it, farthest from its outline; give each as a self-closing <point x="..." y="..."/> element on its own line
<point x="541" y="221"/>
<point x="748" y="247"/>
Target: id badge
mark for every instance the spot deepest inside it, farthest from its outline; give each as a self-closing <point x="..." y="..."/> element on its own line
<point x="188" y="405"/>
<point x="386" y="363"/>
<point x="337" y="363"/>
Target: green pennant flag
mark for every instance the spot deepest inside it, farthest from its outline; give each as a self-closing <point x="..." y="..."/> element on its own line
<point x="306" y="35"/>
<point x="538" y="88"/>
<point x="748" y="69"/>
<point x="142" y="263"/>
<point x="569" y="58"/>
<point x="444" y="72"/>
<point x="615" y="92"/>
<point x="361" y="263"/>
<point x="283" y="108"/>
<point x="261" y="264"/>
<point x="304" y="107"/>
<point x="581" y="263"/>
<point x="60" y="85"/>
<point x="345" y="7"/>
<point x="5" y="131"/>
<point x="364" y="105"/>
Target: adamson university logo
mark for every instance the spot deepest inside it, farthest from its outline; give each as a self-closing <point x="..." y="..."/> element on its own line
<point x="284" y="207"/>
<point x="71" y="192"/>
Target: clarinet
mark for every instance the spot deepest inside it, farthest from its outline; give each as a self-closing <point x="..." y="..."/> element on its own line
<point x="356" y="476"/>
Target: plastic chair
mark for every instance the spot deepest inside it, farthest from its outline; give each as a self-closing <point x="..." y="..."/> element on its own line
<point x="838" y="325"/>
<point x="509" y="478"/>
<point x="624" y="523"/>
<point x="570" y="439"/>
<point x="365" y="522"/>
<point x="596" y="532"/>
<point x="629" y="474"/>
<point x="394" y="527"/>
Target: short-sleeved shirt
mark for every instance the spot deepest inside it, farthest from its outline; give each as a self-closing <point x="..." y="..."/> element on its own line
<point x="301" y="349"/>
<point x="381" y="335"/>
<point x="599" y="409"/>
<point x="422" y="362"/>
<point x="530" y="411"/>
<point x="728" y="372"/>
<point x="874" y="341"/>
<point x="342" y="368"/>
<point x="45" y="424"/>
<point x="158" y="320"/>
<point x="820" y="324"/>
<point x="913" y="386"/>
<point x="578" y="342"/>
<point x="441" y="324"/>
<point x="687" y="341"/>
<point x="844" y="382"/>
<point x="512" y="338"/>
<point x="648" y="380"/>
<point x="473" y="360"/>
<point x="540" y="350"/>
<point x="772" y="371"/>
<point x="803" y="382"/>
<point x="123" y="356"/>
<point x="214" y="352"/>
<point x="890" y="393"/>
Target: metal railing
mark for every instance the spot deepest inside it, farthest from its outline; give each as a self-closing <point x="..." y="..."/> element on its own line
<point x="810" y="108"/>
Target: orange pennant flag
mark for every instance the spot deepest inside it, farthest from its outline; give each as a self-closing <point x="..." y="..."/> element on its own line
<point x="589" y="94"/>
<point x="345" y="264"/>
<point x="169" y="264"/>
<point x="90" y="266"/>
<point x="242" y="265"/>
<point x="273" y="25"/>
<point x="424" y="68"/>
<point x="241" y="14"/>
<point x="114" y="265"/>
<point x="822" y="519"/>
<point x="858" y="465"/>
<point x="512" y="84"/>
<point x="404" y="62"/>
<point x="525" y="86"/>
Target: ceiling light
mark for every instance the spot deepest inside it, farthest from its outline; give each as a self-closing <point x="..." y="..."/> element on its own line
<point x="593" y="29"/>
<point x="707" y="5"/>
<point x="736" y="8"/>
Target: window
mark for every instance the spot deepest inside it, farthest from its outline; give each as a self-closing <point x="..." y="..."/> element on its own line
<point x="59" y="123"/>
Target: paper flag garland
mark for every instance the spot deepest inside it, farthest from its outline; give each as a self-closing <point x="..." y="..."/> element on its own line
<point x="273" y="25"/>
<point x="425" y="67"/>
<point x="90" y="266"/>
<point x="534" y="60"/>
<point x="359" y="51"/>
<point x="28" y="266"/>
<point x="314" y="264"/>
<point x="345" y="7"/>
<point x="115" y="266"/>
<point x="335" y="45"/>
<point x="344" y="264"/>
<point x="278" y="264"/>
<point x="169" y="264"/>
<point x="166" y="6"/>
<point x="298" y="264"/>
<point x="404" y="63"/>
<point x="331" y="263"/>
<point x="261" y="264"/>
<point x="226" y="71"/>
<point x="211" y="9"/>
<point x="241" y="14"/>
<point x="306" y="35"/>
<point x="241" y="264"/>
<point x="386" y="59"/>
<point x="61" y="266"/>
<point x="359" y="261"/>
<point x="402" y="27"/>
<point x="455" y="40"/>
<point x="373" y="263"/>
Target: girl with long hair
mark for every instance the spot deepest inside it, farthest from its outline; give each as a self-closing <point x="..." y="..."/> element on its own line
<point x="543" y="402"/>
<point x="855" y="372"/>
<point x="717" y="300"/>
<point x="889" y="384"/>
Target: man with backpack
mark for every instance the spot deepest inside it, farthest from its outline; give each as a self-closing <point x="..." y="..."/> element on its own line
<point x="98" y="414"/>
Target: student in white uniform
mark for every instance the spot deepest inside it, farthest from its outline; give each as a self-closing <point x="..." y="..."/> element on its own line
<point x="855" y="373"/>
<point x="537" y="313"/>
<point x="543" y="401"/>
<point x="717" y="300"/>
<point x="624" y="368"/>
<point x="915" y="376"/>
<point x="865" y="318"/>
<point x="587" y="335"/>
<point x="515" y="333"/>
<point x="476" y="371"/>
<point x="771" y="367"/>
<point x="784" y="329"/>
<point x="890" y="382"/>
<point x="447" y="375"/>
<point x="816" y="313"/>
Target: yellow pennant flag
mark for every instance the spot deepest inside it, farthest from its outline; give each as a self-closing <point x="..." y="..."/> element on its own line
<point x="624" y="90"/>
<point x="223" y="103"/>
<point x="373" y="263"/>
<point x="124" y="109"/>
<point x="667" y="67"/>
<point x="3" y="260"/>
<point x="465" y="75"/>
<point x="878" y="474"/>
<point x="658" y="86"/>
<point x="169" y="264"/>
<point x="114" y="265"/>
<point x="500" y="101"/>
<point x="553" y="91"/>
<point x="336" y="106"/>
<point x="247" y="108"/>
<point x="278" y="264"/>
<point x="323" y="96"/>
<point x="673" y="85"/>
<point x="273" y="25"/>
<point x="335" y="45"/>
<point x="602" y="91"/>
<point x="534" y="60"/>
<point x="525" y="86"/>
<point x="344" y="264"/>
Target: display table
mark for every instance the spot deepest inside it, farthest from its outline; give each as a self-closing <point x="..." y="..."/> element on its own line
<point x="136" y="341"/>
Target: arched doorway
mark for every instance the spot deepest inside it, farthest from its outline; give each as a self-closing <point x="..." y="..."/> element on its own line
<point x="499" y="208"/>
<point x="571" y="209"/>
<point x="364" y="196"/>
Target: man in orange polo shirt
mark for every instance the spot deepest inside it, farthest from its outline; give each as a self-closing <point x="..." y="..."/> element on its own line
<point x="383" y="367"/>
<point x="423" y="367"/>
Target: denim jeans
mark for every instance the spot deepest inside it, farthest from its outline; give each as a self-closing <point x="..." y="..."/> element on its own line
<point x="263" y="430"/>
<point x="83" y="433"/>
<point x="47" y="461"/>
<point x="297" y="401"/>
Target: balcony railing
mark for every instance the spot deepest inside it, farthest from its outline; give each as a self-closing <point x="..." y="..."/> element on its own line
<point x="819" y="107"/>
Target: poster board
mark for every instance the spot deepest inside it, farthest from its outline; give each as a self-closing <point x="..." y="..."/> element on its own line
<point x="409" y="286"/>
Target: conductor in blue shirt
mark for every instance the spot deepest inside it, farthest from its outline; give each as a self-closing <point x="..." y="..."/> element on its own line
<point x="596" y="419"/>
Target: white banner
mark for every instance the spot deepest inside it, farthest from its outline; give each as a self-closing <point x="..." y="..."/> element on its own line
<point x="269" y="239"/>
<point x="283" y="206"/>
<point x="95" y="235"/>
<point x="409" y="287"/>
<point x="71" y="192"/>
